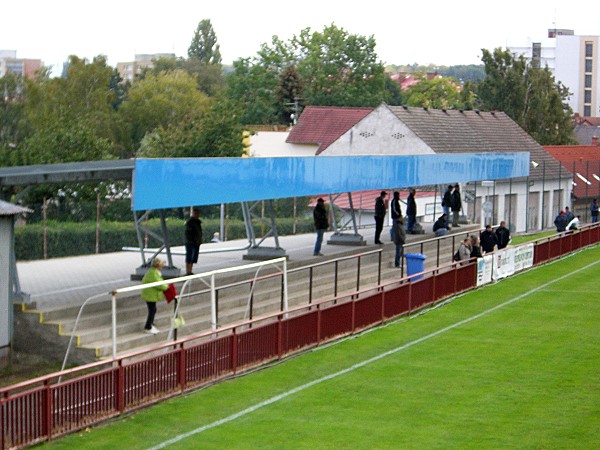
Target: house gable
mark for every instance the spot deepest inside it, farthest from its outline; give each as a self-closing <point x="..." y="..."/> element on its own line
<point x="322" y="125"/>
<point x="379" y="133"/>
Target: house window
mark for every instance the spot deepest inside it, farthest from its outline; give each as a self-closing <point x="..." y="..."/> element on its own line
<point x="587" y="111"/>
<point x="588" y="81"/>
<point x="589" y="49"/>
<point x="587" y="96"/>
<point x="588" y="66"/>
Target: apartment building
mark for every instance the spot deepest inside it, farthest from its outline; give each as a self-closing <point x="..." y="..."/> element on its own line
<point x="129" y="70"/>
<point x="573" y="60"/>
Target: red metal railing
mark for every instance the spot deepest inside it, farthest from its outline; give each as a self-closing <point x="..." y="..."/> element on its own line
<point x="41" y="409"/>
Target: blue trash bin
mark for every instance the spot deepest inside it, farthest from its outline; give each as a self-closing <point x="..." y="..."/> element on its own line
<point x="415" y="263"/>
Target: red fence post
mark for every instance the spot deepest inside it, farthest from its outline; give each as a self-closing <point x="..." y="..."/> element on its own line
<point x="120" y="388"/>
<point x="47" y="408"/>
<point x="353" y="316"/>
<point x="2" y="428"/>
<point x="279" y="337"/>
<point x="181" y="367"/>
<point x="234" y="351"/>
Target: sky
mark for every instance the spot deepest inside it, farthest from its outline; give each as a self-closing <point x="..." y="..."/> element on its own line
<point x="406" y="32"/>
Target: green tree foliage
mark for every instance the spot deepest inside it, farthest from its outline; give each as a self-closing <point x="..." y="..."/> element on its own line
<point x="339" y="68"/>
<point x="437" y="93"/>
<point x="289" y="93"/>
<point x="217" y="133"/>
<point x="529" y="95"/>
<point x="465" y="73"/>
<point x="204" y="45"/>
<point x="393" y="93"/>
<point x="334" y="67"/>
<point x="254" y="86"/>
<point x="72" y="118"/>
<point x="160" y="101"/>
<point x="209" y="77"/>
<point x="13" y="121"/>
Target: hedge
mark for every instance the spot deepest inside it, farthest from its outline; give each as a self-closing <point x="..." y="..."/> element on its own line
<point x="73" y="239"/>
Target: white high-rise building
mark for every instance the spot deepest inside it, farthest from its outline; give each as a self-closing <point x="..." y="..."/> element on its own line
<point x="574" y="62"/>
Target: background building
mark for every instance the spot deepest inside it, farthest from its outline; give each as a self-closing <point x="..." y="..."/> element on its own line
<point x="9" y="63"/>
<point x="574" y="62"/>
<point x="128" y="70"/>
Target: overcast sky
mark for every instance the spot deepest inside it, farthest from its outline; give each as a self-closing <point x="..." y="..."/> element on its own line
<point x="438" y="32"/>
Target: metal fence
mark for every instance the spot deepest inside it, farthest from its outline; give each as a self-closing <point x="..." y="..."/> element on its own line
<point x="44" y="408"/>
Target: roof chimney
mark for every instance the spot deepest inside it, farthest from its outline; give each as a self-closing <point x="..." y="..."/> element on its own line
<point x="596" y="141"/>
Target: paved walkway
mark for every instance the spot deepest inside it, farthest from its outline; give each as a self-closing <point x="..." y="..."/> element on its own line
<point x="70" y="281"/>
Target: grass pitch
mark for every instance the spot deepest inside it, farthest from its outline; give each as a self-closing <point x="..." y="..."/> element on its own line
<point x="512" y="365"/>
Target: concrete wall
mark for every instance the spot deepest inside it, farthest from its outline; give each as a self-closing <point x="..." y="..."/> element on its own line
<point x="268" y="144"/>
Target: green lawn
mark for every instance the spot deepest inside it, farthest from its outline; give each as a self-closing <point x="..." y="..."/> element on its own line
<point x="523" y="375"/>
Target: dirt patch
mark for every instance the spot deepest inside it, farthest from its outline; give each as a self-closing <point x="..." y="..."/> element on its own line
<point x="19" y="367"/>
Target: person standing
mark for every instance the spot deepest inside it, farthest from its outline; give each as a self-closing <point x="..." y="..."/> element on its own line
<point x="411" y="211"/>
<point x="456" y="205"/>
<point x="193" y="239"/>
<point x="502" y="235"/>
<point x="561" y="222"/>
<point x="569" y="214"/>
<point x="464" y="250"/>
<point x="475" y="247"/>
<point x="399" y="239"/>
<point x="396" y="211"/>
<point x="154" y="294"/>
<point x="447" y="200"/>
<point x="488" y="239"/>
<point x="594" y="211"/>
<point x="380" y="213"/>
<point x="321" y="224"/>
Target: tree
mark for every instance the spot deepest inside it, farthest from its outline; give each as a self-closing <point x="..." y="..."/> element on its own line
<point x="72" y="118"/>
<point x="393" y="93"/>
<point x="437" y="93"/>
<point x="334" y="68"/>
<point x="289" y="93"/>
<point x="204" y="45"/>
<point x="217" y="134"/>
<point x="529" y="95"/>
<point x="253" y="85"/>
<point x="160" y="101"/>
<point x="339" y="68"/>
<point x="209" y="77"/>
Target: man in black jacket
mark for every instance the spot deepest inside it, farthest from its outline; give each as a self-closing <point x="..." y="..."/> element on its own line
<point x="321" y="224"/>
<point x="193" y="239"/>
<point x="456" y="205"/>
<point x="395" y="211"/>
<point x="502" y="235"/>
<point x="411" y="211"/>
<point x="488" y="239"/>
<point x="447" y="200"/>
<point x="380" y="213"/>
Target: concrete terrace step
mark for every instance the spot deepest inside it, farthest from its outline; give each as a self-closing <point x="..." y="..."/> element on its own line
<point x="94" y="328"/>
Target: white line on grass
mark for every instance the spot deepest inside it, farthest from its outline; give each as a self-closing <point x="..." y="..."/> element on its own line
<point x="360" y="364"/>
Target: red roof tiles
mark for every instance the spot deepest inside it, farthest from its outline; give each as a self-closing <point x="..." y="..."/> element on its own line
<point x="323" y="125"/>
<point x="583" y="160"/>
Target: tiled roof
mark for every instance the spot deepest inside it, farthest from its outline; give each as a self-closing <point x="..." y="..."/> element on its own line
<point x="583" y="160"/>
<point x="585" y="133"/>
<point x="322" y="125"/>
<point x="456" y="131"/>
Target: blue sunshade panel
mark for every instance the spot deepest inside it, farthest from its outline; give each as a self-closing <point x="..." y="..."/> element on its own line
<point x="180" y="182"/>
